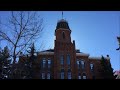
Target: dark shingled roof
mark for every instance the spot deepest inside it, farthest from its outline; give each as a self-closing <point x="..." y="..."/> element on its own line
<point x="49" y="50"/>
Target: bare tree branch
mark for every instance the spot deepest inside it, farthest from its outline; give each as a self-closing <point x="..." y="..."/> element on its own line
<point x="5" y="37"/>
<point x="26" y="27"/>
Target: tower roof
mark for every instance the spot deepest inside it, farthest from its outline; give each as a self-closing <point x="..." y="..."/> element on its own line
<point x="62" y="24"/>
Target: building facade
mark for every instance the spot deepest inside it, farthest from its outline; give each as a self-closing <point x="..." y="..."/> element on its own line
<point x="65" y="61"/>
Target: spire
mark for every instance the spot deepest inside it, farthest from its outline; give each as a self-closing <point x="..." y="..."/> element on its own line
<point x="62" y="14"/>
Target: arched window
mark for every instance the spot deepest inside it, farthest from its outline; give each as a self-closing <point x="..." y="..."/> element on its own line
<point x="63" y="34"/>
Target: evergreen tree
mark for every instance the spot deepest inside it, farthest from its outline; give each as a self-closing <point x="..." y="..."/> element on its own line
<point x="27" y="66"/>
<point x="5" y="64"/>
<point x="106" y="69"/>
<point x="31" y="61"/>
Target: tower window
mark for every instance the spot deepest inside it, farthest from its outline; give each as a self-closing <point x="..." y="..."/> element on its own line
<point x="63" y="34"/>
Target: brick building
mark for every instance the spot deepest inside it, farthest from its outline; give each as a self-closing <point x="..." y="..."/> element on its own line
<point x="65" y="61"/>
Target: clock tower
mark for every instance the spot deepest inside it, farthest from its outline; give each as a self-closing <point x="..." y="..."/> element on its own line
<point x="64" y="54"/>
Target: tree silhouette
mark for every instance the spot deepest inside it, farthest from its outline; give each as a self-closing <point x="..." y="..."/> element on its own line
<point x="5" y="64"/>
<point x="106" y="69"/>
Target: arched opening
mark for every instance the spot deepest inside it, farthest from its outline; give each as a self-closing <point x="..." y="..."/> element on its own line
<point x="63" y="35"/>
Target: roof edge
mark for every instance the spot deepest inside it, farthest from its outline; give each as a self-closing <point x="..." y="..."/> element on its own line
<point x="99" y="58"/>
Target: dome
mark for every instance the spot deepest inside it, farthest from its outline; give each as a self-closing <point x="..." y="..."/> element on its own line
<point x="62" y="24"/>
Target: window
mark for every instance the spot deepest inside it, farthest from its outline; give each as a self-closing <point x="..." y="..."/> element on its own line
<point x="68" y="59"/>
<point x="62" y="60"/>
<point x="63" y="34"/>
<point x="62" y="75"/>
<point x="78" y="64"/>
<point x="43" y="75"/>
<point x="48" y="75"/>
<point x="84" y="76"/>
<point x="83" y="64"/>
<point x="91" y="66"/>
<point x="69" y="75"/>
<point x="79" y="76"/>
<point x="44" y="62"/>
<point x="49" y="63"/>
<point x="93" y="77"/>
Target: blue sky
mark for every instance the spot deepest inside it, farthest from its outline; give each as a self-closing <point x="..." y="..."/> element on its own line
<point x="94" y="32"/>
